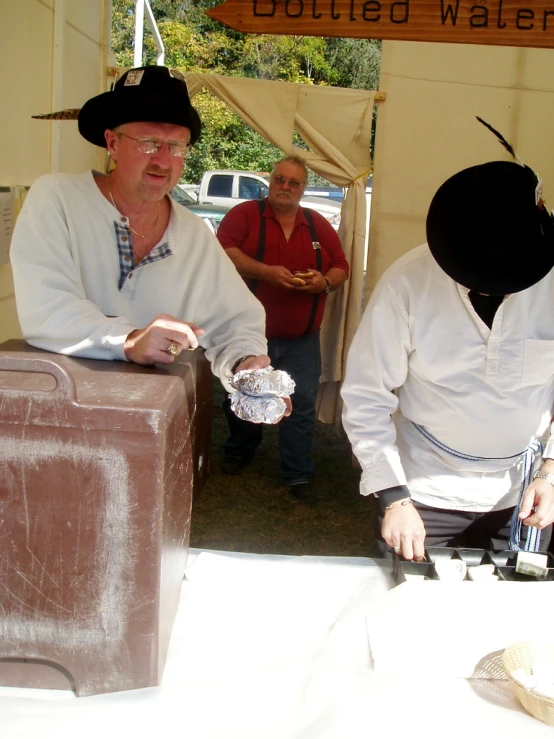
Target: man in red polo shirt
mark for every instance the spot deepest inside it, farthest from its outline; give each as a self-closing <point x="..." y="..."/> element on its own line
<point x="291" y="258"/>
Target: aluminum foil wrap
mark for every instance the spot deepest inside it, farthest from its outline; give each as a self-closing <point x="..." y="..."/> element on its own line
<point x="257" y="410"/>
<point x="259" y="393"/>
<point x="261" y="383"/>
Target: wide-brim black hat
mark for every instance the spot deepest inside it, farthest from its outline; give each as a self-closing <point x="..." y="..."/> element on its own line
<point x="150" y="94"/>
<point x="489" y="230"/>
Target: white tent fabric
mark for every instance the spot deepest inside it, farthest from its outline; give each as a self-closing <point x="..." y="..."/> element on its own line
<point x="335" y="123"/>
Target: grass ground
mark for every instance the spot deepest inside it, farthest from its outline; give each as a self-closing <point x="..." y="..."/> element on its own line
<point x="254" y="512"/>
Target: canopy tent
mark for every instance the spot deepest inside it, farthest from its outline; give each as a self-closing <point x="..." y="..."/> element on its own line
<point x="335" y="123"/>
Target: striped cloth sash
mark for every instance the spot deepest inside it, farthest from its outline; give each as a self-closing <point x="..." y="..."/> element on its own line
<point x="533" y="538"/>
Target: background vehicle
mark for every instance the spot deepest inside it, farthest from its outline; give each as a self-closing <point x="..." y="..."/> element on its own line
<point x="212" y="214"/>
<point x="336" y="193"/>
<point x="191" y="189"/>
<point x="229" y="187"/>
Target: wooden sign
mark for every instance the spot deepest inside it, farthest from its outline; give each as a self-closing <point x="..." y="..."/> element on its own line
<point x="496" y="22"/>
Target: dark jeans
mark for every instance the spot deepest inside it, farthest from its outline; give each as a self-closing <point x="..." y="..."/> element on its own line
<point x="446" y="528"/>
<point x="301" y="359"/>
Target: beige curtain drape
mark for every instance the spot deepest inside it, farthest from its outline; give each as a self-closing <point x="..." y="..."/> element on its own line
<point x="335" y="123"/>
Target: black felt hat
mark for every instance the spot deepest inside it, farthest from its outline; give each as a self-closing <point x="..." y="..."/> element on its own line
<point x="489" y="230"/>
<point x="153" y="94"/>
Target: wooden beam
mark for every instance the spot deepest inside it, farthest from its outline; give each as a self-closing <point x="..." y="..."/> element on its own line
<point x="494" y="22"/>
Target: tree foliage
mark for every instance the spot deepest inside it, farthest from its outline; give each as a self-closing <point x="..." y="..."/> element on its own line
<point x="355" y="62"/>
<point x="288" y="58"/>
<point x="195" y="43"/>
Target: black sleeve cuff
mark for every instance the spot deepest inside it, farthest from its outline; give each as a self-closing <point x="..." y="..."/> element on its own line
<point x="391" y="495"/>
<point x="240" y="360"/>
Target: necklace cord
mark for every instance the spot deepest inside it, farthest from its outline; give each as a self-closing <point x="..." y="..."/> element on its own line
<point x="141" y="236"/>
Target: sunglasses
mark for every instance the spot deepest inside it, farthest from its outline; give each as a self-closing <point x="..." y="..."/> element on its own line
<point x="293" y="184"/>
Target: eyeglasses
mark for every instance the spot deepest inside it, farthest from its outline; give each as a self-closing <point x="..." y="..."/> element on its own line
<point x="152" y="146"/>
<point x="293" y="184"/>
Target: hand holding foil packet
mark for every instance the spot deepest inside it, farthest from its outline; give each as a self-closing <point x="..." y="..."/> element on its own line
<point x="259" y="393"/>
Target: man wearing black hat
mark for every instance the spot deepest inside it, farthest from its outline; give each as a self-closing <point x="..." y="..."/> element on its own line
<point x="449" y="389"/>
<point x="110" y="267"/>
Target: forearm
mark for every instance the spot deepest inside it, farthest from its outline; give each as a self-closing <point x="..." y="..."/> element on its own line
<point x="55" y="315"/>
<point x="246" y="266"/>
<point x="223" y="356"/>
<point x="547" y="462"/>
<point x="87" y="335"/>
<point x="377" y="365"/>
<point x="336" y="277"/>
<point x="235" y="326"/>
<point x="547" y="465"/>
<point x="367" y="421"/>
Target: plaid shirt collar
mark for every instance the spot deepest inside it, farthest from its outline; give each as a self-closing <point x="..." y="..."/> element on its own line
<point x="126" y="255"/>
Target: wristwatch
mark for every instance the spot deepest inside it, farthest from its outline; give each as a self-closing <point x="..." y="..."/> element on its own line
<point x="548" y="476"/>
<point x="327" y="286"/>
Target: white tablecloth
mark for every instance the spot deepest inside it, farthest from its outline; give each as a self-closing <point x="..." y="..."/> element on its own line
<point x="270" y="647"/>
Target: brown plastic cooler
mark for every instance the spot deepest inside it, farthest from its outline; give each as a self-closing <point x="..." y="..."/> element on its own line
<point x="98" y="463"/>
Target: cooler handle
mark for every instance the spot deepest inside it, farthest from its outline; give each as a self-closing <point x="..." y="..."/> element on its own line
<point x="65" y="385"/>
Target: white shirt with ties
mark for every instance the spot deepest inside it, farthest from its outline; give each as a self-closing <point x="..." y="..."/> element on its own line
<point x="422" y="355"/>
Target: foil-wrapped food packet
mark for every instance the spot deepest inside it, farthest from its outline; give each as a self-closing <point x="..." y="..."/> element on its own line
<point x="257" y="410"/>
<point x="259" y="393"/>
<point x="263" y="382"/>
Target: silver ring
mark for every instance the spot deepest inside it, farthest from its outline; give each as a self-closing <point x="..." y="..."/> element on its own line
<point x="397" y="549"/>
<point x="173" y="349"/>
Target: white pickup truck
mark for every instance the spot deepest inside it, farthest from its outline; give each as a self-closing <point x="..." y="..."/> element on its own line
<point x="229" y="187"/>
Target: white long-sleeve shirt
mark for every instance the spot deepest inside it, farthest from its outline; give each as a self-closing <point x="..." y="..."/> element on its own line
<point x="66" y="268"/>
<point x="422" y="354"/>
